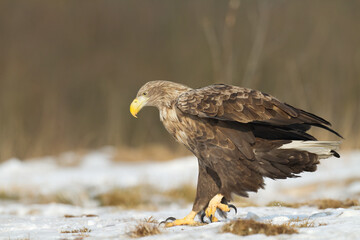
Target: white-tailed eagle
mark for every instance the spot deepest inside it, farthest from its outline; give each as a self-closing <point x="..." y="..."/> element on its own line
<point x="239" y="136"/>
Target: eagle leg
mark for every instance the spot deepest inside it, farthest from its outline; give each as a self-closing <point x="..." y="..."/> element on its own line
<point x="188" y="220"/>
<point x="215" y="204"/>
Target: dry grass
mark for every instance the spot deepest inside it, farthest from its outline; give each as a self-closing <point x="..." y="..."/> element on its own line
<point x="283" y="204"/>
<point x="140" y="197"/>
<point x="303" y="223"/>
<point x="9" y="196"/>
<point x="156" y="152"/>
<point x="186" y="192"/>
<point x="243" y="202"/>
<point x="83" y="215"/>
<point x="80" y="230"/>
<point x="56" y="198"/>
<point x="319" y="203"/>
<point x="146" y="227"/>
<point x="31" y="196"/>
<point x="332" y="203"/>
<point x="244" y="227"/>
<point x="79" y="234"/>
<point x="124" y="197"/>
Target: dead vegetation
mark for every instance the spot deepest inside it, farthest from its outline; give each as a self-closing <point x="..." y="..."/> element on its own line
<point x="319" y="203"/>
<point x="124" y="197"/>
<point x="244" y="227"/>
<point x="303" y="223"/>
<point x="80" y="230"/>
<point x="140" y="197"/>
<point x="158" y="152"/>
<point x="33" y="197"/>
<point x="8" y="196"/>
<point x="186" y="192"/>
<point x="79" y="234"/>
<point x="144" y="228"/>
<point x="332" y="203"/>
<point x="284" y="204"/>
<point x="243" y="202"/>
<point x="83" y="215"/>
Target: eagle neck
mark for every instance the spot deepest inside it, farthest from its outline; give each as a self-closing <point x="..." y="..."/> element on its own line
<point x="168" y="113"/>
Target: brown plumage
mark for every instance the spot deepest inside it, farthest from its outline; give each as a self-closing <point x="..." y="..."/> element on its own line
<point x="239" y="135"/>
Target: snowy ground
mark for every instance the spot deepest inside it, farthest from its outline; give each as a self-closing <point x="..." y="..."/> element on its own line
<point x="96" y="173"/>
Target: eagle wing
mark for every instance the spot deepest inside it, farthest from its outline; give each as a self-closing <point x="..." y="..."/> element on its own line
<point x="232" y="103"/>
<point x="252" y="126"/>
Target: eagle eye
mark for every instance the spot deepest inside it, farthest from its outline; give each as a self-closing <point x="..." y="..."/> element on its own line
<point x="145" y="93"/>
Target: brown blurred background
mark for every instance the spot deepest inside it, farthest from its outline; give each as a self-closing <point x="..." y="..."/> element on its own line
<point x="69" y="69"/>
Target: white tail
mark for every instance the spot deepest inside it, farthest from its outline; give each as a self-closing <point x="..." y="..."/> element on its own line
<point x="323" y="149"/>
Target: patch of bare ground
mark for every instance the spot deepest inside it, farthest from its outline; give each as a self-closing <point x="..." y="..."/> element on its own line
<point x="244" y="227"/>
<point x="319" y="203"/>
<point x="144" y="228"/>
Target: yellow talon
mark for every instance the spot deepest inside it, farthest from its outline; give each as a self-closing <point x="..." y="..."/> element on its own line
<point x="183" y="221"/>
<point x="215" y="203"/>
<point x="188" y="220"/>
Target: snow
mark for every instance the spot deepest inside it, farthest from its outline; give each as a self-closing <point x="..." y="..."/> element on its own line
<point x="96" y="173"/>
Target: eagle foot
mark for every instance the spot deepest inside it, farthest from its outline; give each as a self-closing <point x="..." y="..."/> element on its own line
<point x="217" y="203"/>
<point x="188" y="220"/>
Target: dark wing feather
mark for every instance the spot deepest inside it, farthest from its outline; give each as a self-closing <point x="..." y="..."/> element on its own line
<point x="231" y="103"/>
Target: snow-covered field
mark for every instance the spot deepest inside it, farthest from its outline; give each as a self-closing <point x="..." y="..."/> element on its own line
<point x="96" y="173"/>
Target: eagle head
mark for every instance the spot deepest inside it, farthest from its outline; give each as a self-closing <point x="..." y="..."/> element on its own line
<point x="158" y="94"/>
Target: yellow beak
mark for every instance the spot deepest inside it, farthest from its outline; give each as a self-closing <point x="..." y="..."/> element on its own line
<point x="137" y="105"/>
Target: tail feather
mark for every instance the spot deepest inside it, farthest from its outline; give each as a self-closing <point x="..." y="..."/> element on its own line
<point x="279" y="159"/>
<point x="323" y="149"/>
